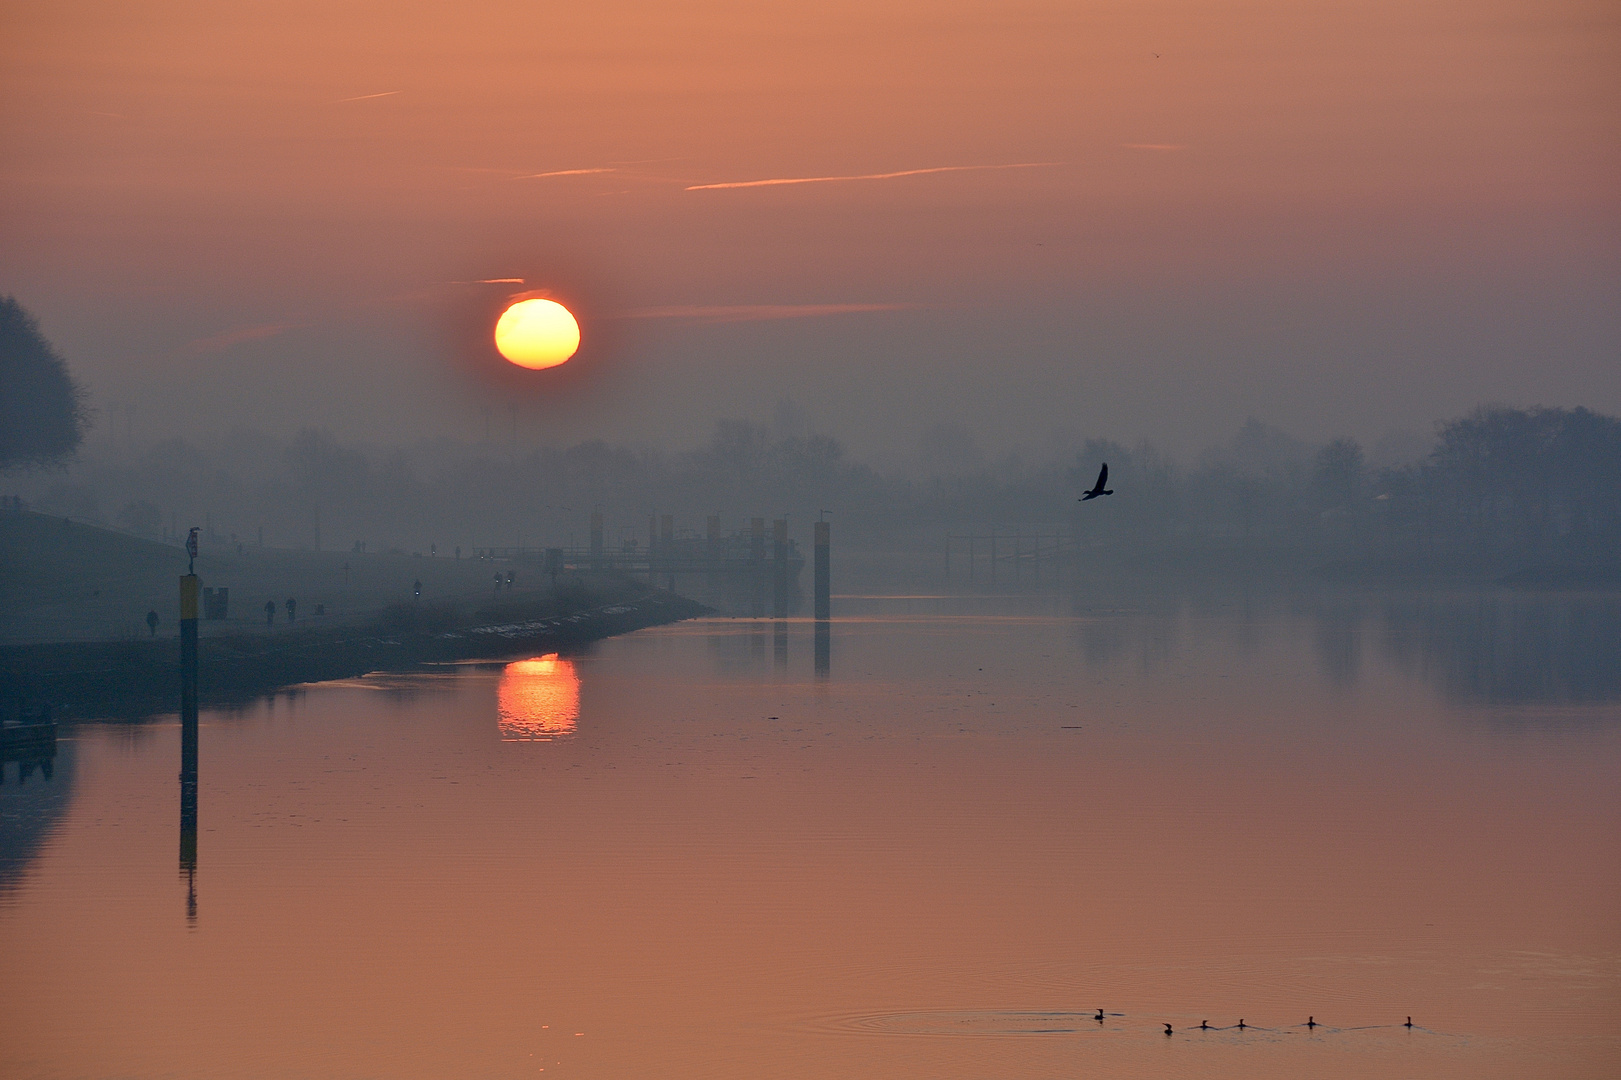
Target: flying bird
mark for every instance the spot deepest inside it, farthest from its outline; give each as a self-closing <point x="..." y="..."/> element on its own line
<point x="1098" y="488"/>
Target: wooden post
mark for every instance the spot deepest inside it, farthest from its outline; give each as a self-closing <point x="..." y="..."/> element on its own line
<point x="824" y="594"/>
<point x="652" y="549"/>
<point x="824" y="599"/>
<point x="757" y="566"/>
<point x="779" y="576"/>
<point x="667" y="547"/>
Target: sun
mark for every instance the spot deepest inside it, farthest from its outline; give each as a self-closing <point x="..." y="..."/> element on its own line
<point x="537" y="334"/>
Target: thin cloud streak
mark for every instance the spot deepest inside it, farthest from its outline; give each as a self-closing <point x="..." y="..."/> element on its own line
<point x="563" y="172"/>
<point x="728" y="313"/>
<point x="866" y="176"/>
<point x="368" y="97"/>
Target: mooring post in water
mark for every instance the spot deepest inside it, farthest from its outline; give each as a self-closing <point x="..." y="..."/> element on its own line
<point x="188" y="738"/>
<point x="667" y="547"/>
<point x="824" y="596"/>
<point x="757" y="566"/>
<point x="779" y="568"/>
<point x="823" y="585"/>
<point x="652" y="549"/>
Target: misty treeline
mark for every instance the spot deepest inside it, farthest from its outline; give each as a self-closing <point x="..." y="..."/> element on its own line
<point x="43" y="416"/>
<point x="1538" y="482"/>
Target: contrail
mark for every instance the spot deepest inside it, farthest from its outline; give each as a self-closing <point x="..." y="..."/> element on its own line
<point x="866" y="176"/>
<point x="562" y="172"/>
<point x="368" y="97"/>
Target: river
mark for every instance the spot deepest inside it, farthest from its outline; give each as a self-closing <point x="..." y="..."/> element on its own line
<point x="686" y="852"/>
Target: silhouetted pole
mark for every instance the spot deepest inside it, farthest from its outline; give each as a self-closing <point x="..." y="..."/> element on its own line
<point x="652" y="549"/>
<point x="779" y="575"/>
<point x="712" y="555"/>
<point x="757" y="565"/>
<point x="824" y="598"/>
<point x="824" y="595"/>
<point x="667" y="546"/>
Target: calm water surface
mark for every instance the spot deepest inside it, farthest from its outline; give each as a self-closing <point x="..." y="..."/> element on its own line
<point x="687" y="854"/>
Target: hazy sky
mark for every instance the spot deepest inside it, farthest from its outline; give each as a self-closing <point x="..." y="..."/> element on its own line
<point x="1343" y="218"/>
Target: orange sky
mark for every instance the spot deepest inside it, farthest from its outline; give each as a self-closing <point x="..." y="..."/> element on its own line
<point x="1339" y="217"/>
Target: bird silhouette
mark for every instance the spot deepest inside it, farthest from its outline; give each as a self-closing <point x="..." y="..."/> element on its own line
<point x="1099" y="1016"/>
<point x="1098" y="488"/>
<point x="1167" y="1029"/>
<point x="1409" y="1022"/>
<point x="1242" y="1025"/>
<point x="1204" y="1025"/>
<point x="1311" y="1021"/>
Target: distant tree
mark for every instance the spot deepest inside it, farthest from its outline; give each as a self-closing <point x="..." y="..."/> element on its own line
<point x="1337" y="474"/>
<point x="1527" y="478"/>
<point x="42" y="410"/>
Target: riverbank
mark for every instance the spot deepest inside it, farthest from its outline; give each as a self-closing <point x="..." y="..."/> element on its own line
<point x="134" y="678"/>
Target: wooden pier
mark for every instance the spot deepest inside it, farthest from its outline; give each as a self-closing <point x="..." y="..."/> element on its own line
<point x="1011" y="556"/>
<point x="667" y="554"/>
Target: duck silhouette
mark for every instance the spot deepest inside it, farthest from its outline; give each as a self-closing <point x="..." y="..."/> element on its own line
<point x="1099" y="1016"/>
<point x="1311" y="1021"/>
<point x="1409" y="1022"/>
<point x="1098" y="488"/>
<point x="1204" y="1025"/>
<point x="1167" y="1029"/>
<point x="1242" y="1025"/>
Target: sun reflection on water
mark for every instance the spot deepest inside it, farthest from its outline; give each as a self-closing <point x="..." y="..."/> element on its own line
<point x="538" y="700"/>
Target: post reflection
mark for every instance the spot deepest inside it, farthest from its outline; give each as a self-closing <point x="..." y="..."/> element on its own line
<point x="188" y="845"/>
<point x="538" y="700"/>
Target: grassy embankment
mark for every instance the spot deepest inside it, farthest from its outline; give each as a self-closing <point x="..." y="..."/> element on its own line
<point x="73" y="599"/>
